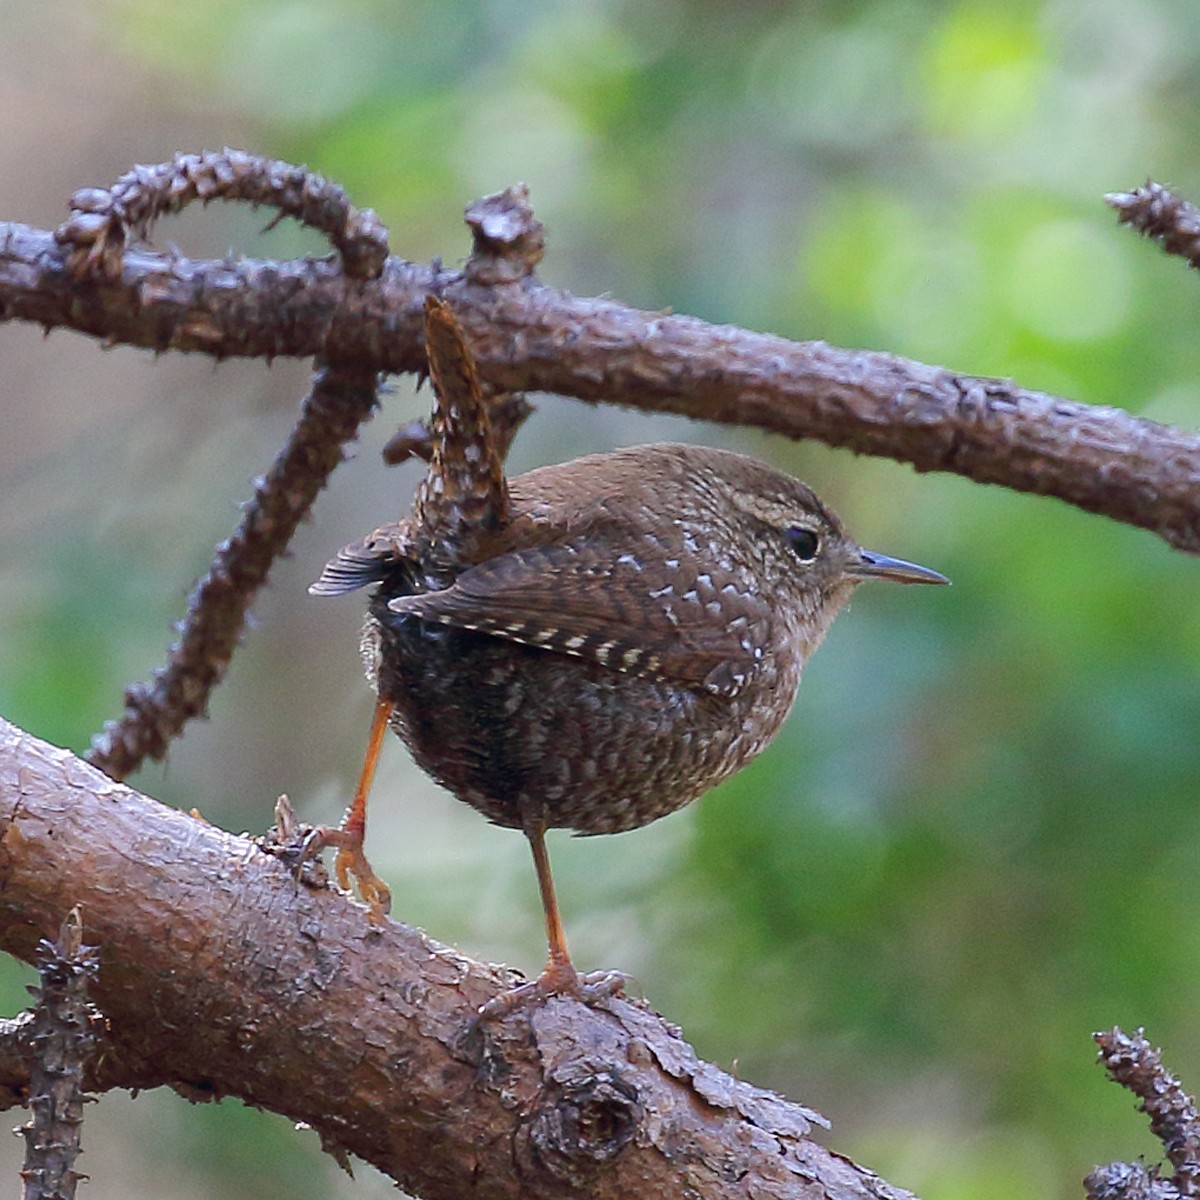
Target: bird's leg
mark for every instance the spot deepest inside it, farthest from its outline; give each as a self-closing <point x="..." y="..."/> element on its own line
<point x="348" y="836"/>
<point x="559" y="973"/>
<point x="559" y="976"/>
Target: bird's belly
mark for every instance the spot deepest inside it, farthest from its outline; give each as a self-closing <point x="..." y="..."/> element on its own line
<point x="527" y="735"/>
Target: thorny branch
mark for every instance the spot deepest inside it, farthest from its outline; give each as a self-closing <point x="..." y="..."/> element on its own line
<point x="1158" y="213"/>
<point x="102" y="224"/>
<point x="1136" y="1065"/>
<point x="59" y="1039"/>
<point x="527" y="336"/>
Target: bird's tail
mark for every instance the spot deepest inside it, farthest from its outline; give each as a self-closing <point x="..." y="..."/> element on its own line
<point x="464" y="492"/>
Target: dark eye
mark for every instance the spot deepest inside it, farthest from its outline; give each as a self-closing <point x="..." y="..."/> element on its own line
<point x="804" y="543"/>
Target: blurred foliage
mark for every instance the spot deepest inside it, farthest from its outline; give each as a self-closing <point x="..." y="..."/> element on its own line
<point x="974" y="842"/>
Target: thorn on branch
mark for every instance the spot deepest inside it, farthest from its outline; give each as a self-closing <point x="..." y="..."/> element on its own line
<point x="61" y="1039"/>
<point x="1156" y="212"/>
<point x="508" y="239"/>
<point x="1137" y="1066"/>
<point x="104" y="221"/>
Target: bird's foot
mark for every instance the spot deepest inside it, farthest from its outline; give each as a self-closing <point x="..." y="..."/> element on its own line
<point x="557" y="979"/>
<point x="350" y="863"/>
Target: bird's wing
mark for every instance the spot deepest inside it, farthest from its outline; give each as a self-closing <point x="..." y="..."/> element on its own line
<point x="649" y="619"/>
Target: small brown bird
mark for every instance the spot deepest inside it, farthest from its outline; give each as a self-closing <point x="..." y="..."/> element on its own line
<point x="591" y="645"/>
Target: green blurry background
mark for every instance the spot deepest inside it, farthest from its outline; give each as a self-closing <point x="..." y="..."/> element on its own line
<point x="976" y="840"/>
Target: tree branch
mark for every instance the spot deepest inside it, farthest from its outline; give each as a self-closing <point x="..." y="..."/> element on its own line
<point x="60" y="1042"/>
<point x="1156" y="212"/>
<point x="221" y="975"/>
<point x="1137" y="1066"/>
<point x="527" y="337"/>
<point x="342" y="397"/>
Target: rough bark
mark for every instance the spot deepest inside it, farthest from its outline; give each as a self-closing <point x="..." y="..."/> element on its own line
<point x="222" y="975"/>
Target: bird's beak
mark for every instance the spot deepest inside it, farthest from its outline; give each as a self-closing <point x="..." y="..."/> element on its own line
<point x="879" y="566"/>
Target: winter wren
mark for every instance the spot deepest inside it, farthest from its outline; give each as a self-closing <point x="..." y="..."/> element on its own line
<point x="592" y="645"/>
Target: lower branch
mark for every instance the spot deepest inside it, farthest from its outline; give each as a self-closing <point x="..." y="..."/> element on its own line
<point x="222" y="975"/>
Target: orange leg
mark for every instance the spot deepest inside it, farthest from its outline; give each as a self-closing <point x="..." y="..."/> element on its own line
<point x="559" y="976"/>
<point x="348" y="837"/>
<point x="558" y="967"/>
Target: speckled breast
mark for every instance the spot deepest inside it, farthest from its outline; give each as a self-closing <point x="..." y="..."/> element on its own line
<point x="528" y="736"/>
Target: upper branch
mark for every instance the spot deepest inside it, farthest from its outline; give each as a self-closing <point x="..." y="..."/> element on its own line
<point x="526" y="336"/>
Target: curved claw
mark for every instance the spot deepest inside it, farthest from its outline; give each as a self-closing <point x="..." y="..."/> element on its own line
<point x="348" y="838"/>
<point x="558" y="979"/>
<point x="350" y="861"/>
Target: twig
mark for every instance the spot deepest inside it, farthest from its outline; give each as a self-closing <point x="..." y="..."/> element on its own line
<point x="1156" y="212"/>
<point x="61" y="1041"/>
<point x="104" y="221"/>
<point x="1136" y="1065"/>
<point x="342" y="397"/>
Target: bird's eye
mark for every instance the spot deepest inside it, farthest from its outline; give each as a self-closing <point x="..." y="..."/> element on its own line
<point x="804" y="543"/>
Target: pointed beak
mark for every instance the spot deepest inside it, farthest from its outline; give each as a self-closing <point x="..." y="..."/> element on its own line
<point x="880" y="566"/>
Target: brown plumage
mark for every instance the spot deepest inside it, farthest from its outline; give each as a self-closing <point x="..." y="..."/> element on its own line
<point x="596" y="643"/>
